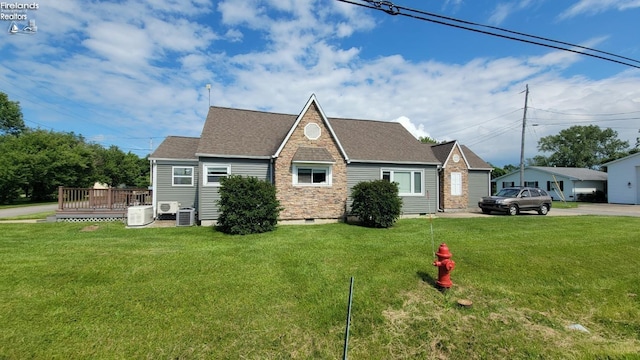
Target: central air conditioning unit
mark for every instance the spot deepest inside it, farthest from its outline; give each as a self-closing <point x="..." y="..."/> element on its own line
<point x="186" y="217"/>
<point x="168" y="207"/>
<point x="139" y="215"/>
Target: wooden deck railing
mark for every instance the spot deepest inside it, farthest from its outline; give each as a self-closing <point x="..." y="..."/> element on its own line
<point x="88" y="200"/>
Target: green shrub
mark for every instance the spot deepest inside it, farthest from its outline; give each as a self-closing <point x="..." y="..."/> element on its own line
<point x="247" y="206"/>
<point x="376" y="203"/>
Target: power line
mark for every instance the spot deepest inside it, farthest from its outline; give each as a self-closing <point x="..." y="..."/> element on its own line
<point x="392" y="9"/>
<point x="569" y="114"/>
<point x="585" y="120"/>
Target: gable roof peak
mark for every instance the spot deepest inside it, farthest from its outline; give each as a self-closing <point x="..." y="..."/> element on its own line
<point x="312" y="101"/>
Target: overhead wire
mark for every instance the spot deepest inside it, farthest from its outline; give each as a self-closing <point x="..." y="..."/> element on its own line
<point x="483" y="138"/>
<point x="393" y="9"/>
<point x="570" y="114"/>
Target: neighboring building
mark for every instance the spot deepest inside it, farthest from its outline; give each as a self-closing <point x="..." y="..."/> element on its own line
<point x="570" y="184"/>
<point x="624" y="180"/>
<point x="464" y="177"/>
<point x="313" y="161"/>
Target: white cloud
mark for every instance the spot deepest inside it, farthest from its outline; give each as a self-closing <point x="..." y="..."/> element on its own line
<point x="592" y="7"/>
<point x="152" y="71"/>
<point x="120" y="43"/>
<point x="503" y="10"/>
<point x="416" y="130"/>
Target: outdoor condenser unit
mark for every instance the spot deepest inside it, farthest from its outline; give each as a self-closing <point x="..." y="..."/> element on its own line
<point x="167" y="207"/>
<point x="139" y="215"/>
<point x="186" y="217"/>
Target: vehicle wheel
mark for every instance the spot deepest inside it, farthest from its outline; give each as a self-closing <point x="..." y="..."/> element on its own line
<point x="513" y="209"/>
<point x="543" y="210"/>
<point x="486" y="211"/>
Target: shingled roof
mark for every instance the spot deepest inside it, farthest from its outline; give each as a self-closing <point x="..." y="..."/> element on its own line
<point x="176" y="148"/>
<point x="243" y="133"/>
<point x="380" y="141"/>
<point x="474" y="162"/>
<point x="442" y="150"/>
<point x="230" y="132"/>
<point x="256" y="134"/>
<point x="581" y="174"/>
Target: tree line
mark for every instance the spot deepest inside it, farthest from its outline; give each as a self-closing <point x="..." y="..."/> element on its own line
<point x="35" y="162"/>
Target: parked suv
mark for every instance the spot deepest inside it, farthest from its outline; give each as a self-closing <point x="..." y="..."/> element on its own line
<point x="512" y="200"/>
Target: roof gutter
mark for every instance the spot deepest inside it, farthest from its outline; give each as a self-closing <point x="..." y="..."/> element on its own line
<point x="260" y="157"/>
<point x="438" y="164"/>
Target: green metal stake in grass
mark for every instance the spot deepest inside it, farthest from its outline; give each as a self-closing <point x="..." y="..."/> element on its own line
<point x="346" y="331"/>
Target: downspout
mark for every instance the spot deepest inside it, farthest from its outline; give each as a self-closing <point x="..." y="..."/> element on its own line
<point x="154" y="186"/>
<point x="439" y="170"/>
<point x="272" y="176"/>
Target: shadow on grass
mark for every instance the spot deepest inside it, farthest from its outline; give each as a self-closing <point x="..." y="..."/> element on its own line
<point x="426" y="278"/>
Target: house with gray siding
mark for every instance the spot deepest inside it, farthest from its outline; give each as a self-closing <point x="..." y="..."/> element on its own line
<point x="464" y="177"/>
<point x="313" y="161"/>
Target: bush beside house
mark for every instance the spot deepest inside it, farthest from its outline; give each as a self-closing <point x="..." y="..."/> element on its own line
<point x="376" y="203"/>
<point x="247" y="205"/>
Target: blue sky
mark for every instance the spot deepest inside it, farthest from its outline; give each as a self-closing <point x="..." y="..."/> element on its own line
<point x="130" y="73"/>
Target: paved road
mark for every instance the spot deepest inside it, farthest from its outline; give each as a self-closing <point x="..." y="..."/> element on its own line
<point x="582" y="209"/>
<point x="26" y="210"/>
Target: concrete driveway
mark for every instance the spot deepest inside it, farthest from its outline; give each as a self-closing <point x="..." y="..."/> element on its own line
<point x="582" y="209"/>
<point x="26" y="210"/>
<point x="600" y="209"/>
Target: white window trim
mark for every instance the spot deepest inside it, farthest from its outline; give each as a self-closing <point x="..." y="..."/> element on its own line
<point x="324" y="166"/>
<point x="173" y="175"/>
<point x="412" y="171"/>
<point x="205" y="177"/>
<point x="456" y="188"/>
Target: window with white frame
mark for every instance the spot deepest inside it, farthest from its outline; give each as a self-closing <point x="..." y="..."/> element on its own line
<point x="409" y="181"/>
<point x="214" y="172"/>
<point x="182" y="176"/>
<point x="312" y="174"/>
<point x="456" y="184"/>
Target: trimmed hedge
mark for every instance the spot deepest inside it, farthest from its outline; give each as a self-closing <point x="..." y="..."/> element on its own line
<point x="247" y="206"/>
<point x="376" y="203"/>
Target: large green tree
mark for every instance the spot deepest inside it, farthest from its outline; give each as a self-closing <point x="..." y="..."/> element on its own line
<point x="581" y="146"/>
<point x="507" y="169"/>
<point x="12" y="178"/>
<point x="428" y="140"/>
<point x="117" y="168"/>
<point x="48" y="159"/>
<point x="11" y="121"/>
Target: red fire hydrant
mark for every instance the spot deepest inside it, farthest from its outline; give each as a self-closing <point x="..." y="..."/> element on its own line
<point x="445" y="266"/>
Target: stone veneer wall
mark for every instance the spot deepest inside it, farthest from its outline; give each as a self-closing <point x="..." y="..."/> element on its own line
<point x="450" y="202"/>
<point x="311" y="202"/>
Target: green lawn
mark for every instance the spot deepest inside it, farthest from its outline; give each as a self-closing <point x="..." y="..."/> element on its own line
<point x="104" y="292"/>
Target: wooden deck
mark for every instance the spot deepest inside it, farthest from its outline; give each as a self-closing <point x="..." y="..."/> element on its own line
<point x="90" y="203"/>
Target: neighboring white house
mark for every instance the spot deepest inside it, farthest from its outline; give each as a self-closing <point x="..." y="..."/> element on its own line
<point x="560" y="182"/>
<point x="624" y="179"/>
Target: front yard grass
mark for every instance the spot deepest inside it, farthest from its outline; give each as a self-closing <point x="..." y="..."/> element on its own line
<point x="75" y="291"/>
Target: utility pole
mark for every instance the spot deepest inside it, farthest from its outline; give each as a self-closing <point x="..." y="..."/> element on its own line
<point x="524" y="124"/>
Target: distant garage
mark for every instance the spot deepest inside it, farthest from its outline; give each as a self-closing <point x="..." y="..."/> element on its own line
<point x="624" y="180"/>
